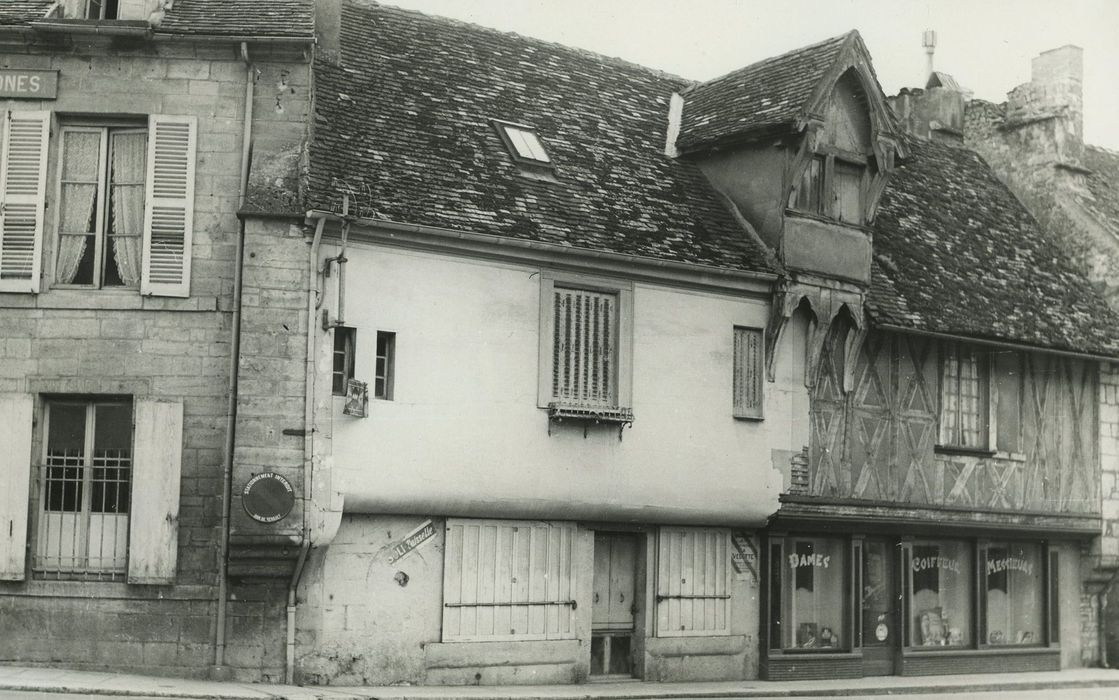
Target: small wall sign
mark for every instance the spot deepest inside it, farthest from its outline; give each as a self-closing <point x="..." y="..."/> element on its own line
<point x="743" y="556"/>
<point x="268" y="497"/>
<point x="411" y="541"/>
<point x="28" y="84"/>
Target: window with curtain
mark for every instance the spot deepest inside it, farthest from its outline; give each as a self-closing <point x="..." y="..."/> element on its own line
<point x="1012" y="593"/>
<point x="964" y="397"/>
<point x="811" y="591"/>
<point x="940" y="593"/>
<point x="101" y="209"/>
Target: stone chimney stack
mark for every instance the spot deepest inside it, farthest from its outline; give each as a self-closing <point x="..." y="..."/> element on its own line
<point x="1055" y="93"/>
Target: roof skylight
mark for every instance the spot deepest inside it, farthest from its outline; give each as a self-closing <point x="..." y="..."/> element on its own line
<point x="523" y="143"/>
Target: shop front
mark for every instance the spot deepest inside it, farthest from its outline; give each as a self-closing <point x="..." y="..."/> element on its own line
<point x="844" y="605"/>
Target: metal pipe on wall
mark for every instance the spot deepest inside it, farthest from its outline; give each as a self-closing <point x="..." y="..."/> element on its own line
<point x="234" y="356"/>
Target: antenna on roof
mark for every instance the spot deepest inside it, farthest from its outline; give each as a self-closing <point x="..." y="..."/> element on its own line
<point x="928" y="40"/>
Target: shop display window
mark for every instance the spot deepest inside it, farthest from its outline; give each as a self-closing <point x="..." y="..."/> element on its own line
<point x="940" y="594"/>
<point x="1012" y="593"/>
<point x="813" y="593"/>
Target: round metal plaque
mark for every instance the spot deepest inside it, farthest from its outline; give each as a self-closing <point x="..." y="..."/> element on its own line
<point x="881" y="631"/>
<point x="268" y="497"/>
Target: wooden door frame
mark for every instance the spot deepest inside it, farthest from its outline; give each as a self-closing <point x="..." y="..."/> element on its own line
<point x="641" y="587"/>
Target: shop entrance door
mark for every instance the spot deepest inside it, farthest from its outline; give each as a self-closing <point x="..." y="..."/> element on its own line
<point x="880" y="607"/>
<point x="615" y="605"/>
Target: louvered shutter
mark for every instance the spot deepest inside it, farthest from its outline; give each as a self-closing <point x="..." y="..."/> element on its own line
<point x="508" y="580"/>
<point x="693" y="582"/>
<point x="153" y="533"/>
<point x="169" y="212"/>
<point x="748" y="372"/>
<point x="15" y="475"/>
<point x="23" y="176"/>
<point x="585" y="353"/>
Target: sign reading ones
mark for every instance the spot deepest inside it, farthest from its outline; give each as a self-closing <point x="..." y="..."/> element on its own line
<point x="28" y="84"/>
<point x="268" y="497"/>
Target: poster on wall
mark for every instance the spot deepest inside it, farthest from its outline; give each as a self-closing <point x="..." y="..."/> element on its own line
<point x="743" y="556"/>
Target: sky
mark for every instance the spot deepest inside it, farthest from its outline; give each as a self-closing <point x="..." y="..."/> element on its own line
<point x="985" y="44"/>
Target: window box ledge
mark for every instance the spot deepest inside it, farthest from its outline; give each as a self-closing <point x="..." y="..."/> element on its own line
<point x="588" y="415"/>
<point x="959" y="450"/>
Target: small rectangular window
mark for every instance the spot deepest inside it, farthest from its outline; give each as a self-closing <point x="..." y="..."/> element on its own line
<point x="85" y="489"/>
<point x="964" y="397"/>
<point x="808" y="195"/>
<point x="91" y="9"/>
<point x="343" y="369"/>
<point x="749" y="369"/>
<point x="848" y="192"/>
<point x="386" y="359"/>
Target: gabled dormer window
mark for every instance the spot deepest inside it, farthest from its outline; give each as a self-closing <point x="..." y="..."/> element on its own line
<point x="523" y="143"/>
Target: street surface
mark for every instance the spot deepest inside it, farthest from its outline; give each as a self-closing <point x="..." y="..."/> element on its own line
<point x="1064" y="694"/>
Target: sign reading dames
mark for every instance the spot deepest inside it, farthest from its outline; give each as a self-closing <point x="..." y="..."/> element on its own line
<point x="28" y="84"/>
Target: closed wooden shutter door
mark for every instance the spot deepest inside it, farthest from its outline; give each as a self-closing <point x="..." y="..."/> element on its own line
<point x="584" y="355"/>
<point x="748" y="372"/>
<point x="23" y="178"/>
<point x="508" y="580"/>
<point x="693" y="596"/>
<point x="153" y="543"/>
<point x="15" y="475"/>
<point x="169" y="212"/>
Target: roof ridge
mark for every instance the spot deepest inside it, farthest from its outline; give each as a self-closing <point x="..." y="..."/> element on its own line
<point x="839" y="38"/>
<point x="617" y="60"/>
<point x="1103" y="149"/>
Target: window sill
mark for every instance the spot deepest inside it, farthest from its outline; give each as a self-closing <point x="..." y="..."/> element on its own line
<point x="957" y="450"/>
<point x="824" y="219"/>
<point x="749" y="418"/>
<point x="595" y="414"/>
<point x="82" y="298"/>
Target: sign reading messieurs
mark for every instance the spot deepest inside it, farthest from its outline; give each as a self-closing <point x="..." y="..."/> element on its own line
<point x="28" y="84"/>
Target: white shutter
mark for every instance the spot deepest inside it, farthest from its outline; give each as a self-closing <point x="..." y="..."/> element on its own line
<point x="693" y="591"/>
<point x="169" y="211"/>
<point x="508" y="580"/>
<point x="23" y="177"/>
<point x="748" y="373"/>
<point x="15" y="475"/>
<point x="157" y="458"/>
<point x="584" y="354"/>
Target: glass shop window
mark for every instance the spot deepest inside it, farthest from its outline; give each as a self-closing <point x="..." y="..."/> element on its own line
<point x="814" y="572"/>
<point x="940" y="594"/>
<point x="1012" y="593"/>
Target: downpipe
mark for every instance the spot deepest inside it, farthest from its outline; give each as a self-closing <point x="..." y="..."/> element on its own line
<point x="313" y="301"/>
<point x="234" y="364"/>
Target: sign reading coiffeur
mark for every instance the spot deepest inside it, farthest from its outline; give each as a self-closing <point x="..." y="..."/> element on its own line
<point x="28" y="84"/>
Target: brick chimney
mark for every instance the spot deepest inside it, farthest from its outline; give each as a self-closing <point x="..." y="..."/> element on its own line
<point x="1054" y="94"/>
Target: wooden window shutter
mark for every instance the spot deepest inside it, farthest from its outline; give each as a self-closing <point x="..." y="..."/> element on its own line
<point x="23" y="177"/>
<point x="154" y="528"/>
<point x="584" y="353"/>
<point x="505" y="579"/>
<point x="693" y="582"/>
<point x="749" y="373"/>
<point x="15" y="474"/>
<point x="169" y="211"/>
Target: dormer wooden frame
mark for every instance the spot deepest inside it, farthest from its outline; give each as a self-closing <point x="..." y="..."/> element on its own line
<point x="885" y="148"/>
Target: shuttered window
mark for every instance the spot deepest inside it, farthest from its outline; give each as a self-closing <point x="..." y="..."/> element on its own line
<point x="22" y="189"/>
<point x="586" y="332"/>
<point x="168" y="217"/>
<point x="584" y="354"/>
<point x="693" y="576"/>
<point x="749" y="368"/>
<point x="506" y="580"/>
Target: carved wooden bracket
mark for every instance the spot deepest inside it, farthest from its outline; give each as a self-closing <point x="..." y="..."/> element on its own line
<point x="825" y="304"/>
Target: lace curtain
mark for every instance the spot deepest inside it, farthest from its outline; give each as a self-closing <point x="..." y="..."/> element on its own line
<point x="126" y="205"/>
<point x="81" y="153"/>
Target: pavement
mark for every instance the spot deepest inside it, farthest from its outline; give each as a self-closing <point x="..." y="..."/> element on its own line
<point x="40" y="679"/>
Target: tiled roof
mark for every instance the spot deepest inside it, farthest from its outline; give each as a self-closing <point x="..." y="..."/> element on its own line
<point x="279" y="18"/>
<point x="763" y="95"/>
<point x="1103" y="184"/>
<point x="273" y="18"/>
<point x="403" y="122"/>
<point x="956" y="253"/>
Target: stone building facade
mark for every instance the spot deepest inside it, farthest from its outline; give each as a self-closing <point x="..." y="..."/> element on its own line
<point x="124" y="156"/>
